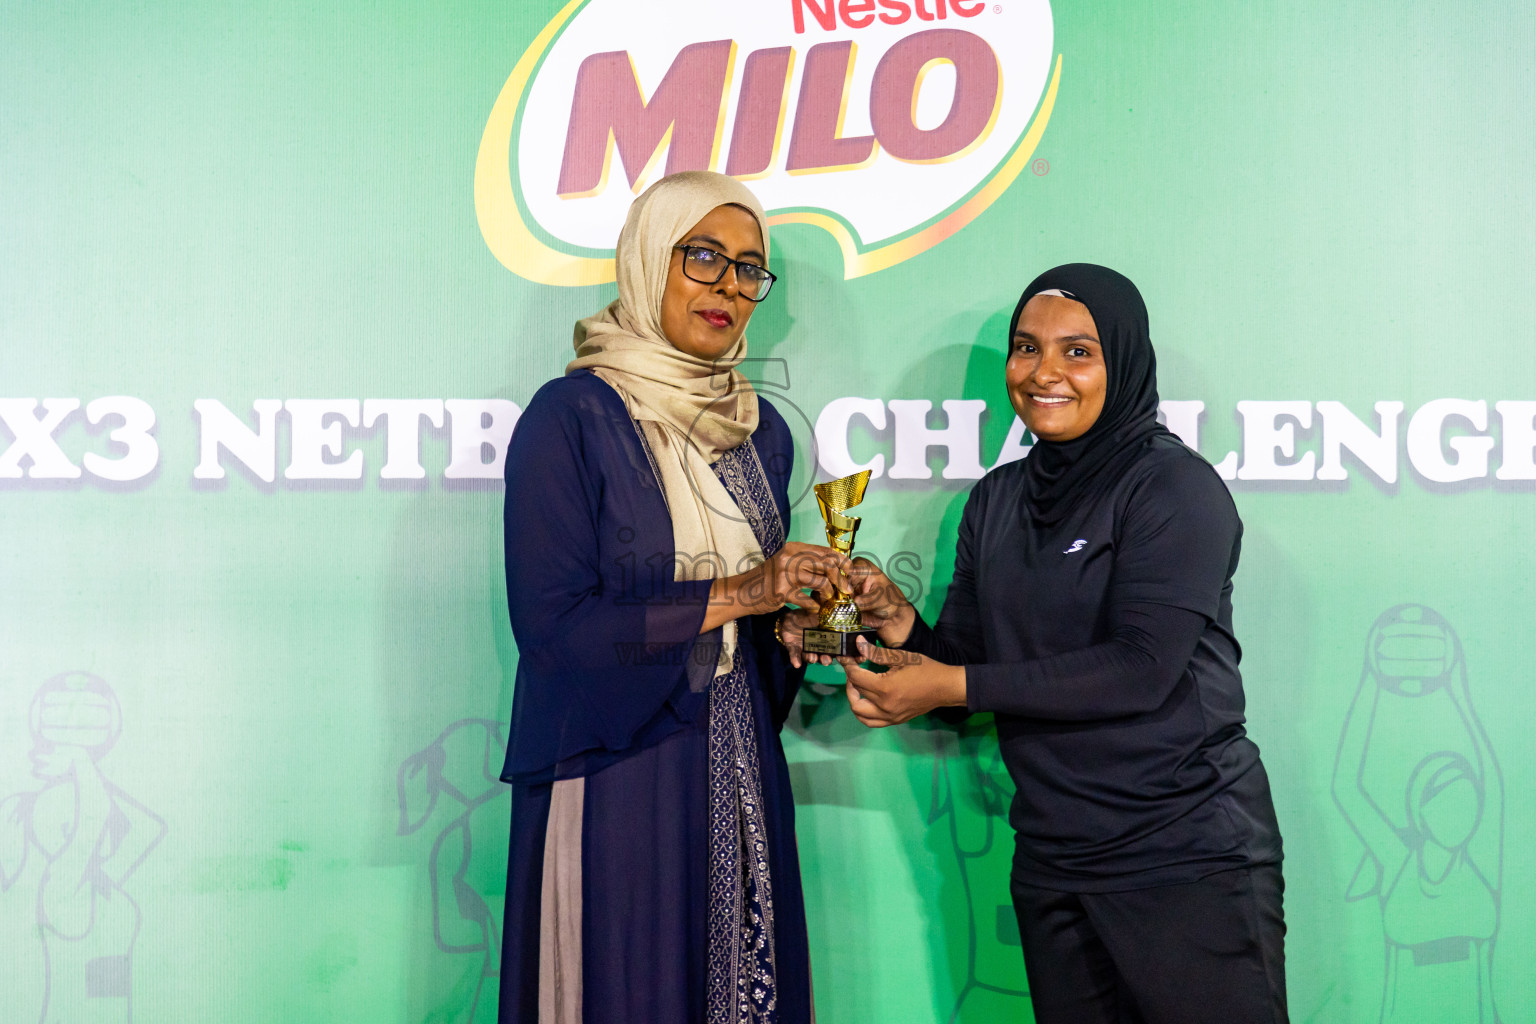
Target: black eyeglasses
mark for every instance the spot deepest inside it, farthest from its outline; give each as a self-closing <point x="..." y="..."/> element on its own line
<point x="707" y="267"/>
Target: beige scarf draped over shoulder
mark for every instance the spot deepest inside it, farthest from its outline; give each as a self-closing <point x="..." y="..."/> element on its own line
<point x="690" y="410"/>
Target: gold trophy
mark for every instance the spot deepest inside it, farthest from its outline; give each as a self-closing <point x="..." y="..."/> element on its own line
<point x="840" y="625"/>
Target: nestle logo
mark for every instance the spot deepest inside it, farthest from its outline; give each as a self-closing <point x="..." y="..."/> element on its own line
<point x="863" y="13"/>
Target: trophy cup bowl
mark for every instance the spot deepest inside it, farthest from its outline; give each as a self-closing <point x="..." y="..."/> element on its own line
<point x="839" y="626"/>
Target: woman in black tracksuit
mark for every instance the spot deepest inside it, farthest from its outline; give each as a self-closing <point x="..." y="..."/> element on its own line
<point x="1091" y="612"/>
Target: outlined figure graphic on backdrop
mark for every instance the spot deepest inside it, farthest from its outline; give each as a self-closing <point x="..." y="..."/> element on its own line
<point x="971" y="792"/>
<point x="67" y="849"/>
<point x="461" y="770"/>
<point x="1419" y="784"/>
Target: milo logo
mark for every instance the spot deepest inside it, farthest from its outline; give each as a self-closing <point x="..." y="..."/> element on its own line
<point x="891" y="124"/>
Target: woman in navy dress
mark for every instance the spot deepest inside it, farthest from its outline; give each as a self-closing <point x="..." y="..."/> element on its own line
<point x="653" y="875"/>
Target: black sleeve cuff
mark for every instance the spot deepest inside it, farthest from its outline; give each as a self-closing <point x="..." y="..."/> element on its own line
<point x="973" y="689"/>
<point x="921" y="639"/>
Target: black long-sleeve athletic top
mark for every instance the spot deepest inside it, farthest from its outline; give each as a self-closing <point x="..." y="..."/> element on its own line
<point x="1104" y="645"/>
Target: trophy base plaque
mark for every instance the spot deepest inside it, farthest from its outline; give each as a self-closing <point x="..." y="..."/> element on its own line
<point x="836" y="642"/>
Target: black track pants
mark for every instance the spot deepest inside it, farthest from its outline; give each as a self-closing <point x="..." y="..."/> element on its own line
<point x="1209" y="951"/>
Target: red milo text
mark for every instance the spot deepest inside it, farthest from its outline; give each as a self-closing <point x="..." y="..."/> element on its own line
<point x="685" y="113"/>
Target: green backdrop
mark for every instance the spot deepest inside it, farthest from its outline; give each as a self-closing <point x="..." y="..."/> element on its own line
<point x="249" y="727"/>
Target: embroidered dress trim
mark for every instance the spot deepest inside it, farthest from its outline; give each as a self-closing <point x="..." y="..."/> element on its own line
<point x="741" y="471"/>
<point x="742" y="970"/>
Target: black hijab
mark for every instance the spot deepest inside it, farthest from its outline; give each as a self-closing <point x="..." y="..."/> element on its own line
<point x="1061" y="476"/>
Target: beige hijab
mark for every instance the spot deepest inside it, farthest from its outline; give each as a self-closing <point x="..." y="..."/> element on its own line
<point x="690" y="410"/>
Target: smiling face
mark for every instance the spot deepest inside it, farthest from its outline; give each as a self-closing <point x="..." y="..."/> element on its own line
<point x="706" y="320"/>
<point x="1056" y="374"/>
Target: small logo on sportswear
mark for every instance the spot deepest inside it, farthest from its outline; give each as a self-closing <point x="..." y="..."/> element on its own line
<point x="1077" y="545"/>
